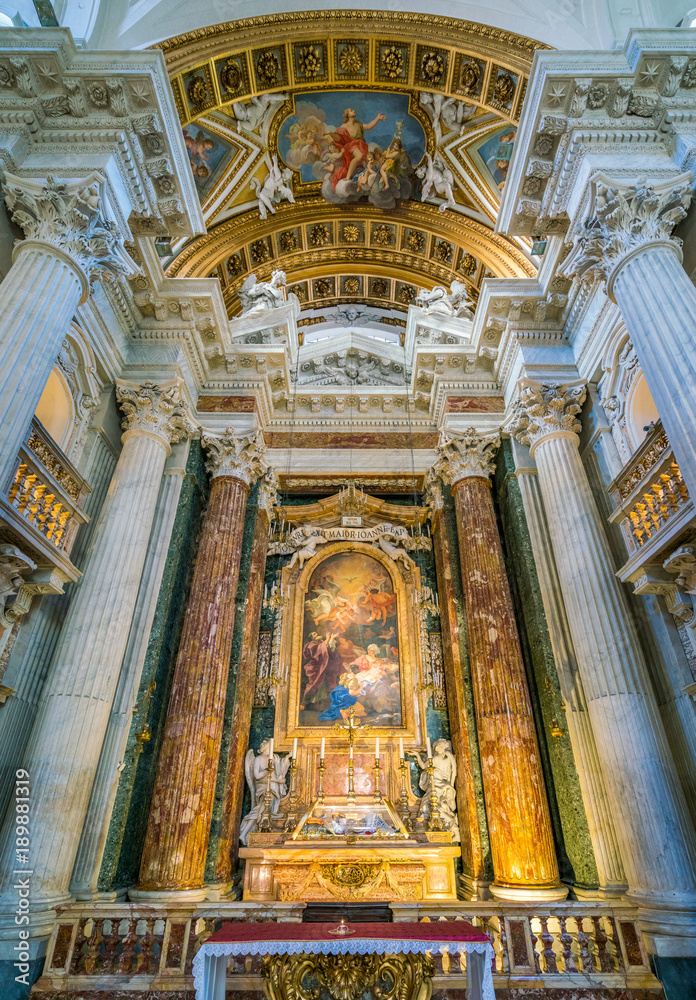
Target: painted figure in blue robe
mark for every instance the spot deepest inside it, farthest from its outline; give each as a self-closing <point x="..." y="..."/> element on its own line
<point x="342" y="697"/>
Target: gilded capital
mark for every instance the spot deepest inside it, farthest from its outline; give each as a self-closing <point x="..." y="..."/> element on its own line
<point x="154" y="409"/>
<point x="69" y="215"/>
<point x="546" y="409"/>
<point x="236" y="455"/>
<point x="623" y="218"/>
<point x="470" y="453"/>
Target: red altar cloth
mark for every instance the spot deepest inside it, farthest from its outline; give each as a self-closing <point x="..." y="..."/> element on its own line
<point x="440" y="933"/>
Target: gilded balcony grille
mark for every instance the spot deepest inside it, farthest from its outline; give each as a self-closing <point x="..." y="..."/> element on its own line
<point x="47" y="491"/>
<point x="650" y="492"/>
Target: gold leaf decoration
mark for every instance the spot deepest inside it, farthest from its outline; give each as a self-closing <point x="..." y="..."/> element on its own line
<point x="351" y="233"/>
<point x="415" y="240"/>
<point x="469" y="76"/>
<point x="288" y="241"/>
<point x="504" y="88"/>
<point x="197" y="90"/>
<point x="351" y="59"/>
<point x="380" y="287"/>
<point x="319" y="235"/>
<point x="309" y="62"/>
<point x="235" y="266"/>
<point x="468" y="264"/>
<point x="406" y="294"/>
<point x="432" y="67"/>
<point x="323" y="287"/>
<point x="382" y="235"/>
<point x="231" y="76"/>
<point x="259" y="251"/>
<point x="443" y="252"/>
<point x="352" y="285"/>
<point x="392" y="62"/>
<point x="268" y="68"/>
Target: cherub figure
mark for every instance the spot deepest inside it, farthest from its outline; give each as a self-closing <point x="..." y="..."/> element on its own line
<point x="308" y="547"/>
<point x="274" y="189"/>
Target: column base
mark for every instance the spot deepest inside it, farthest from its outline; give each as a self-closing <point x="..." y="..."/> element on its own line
<point x="93" y="896"/>
<point x="473" y="889"/>
<point x="221" y="890"/>
<point x="42" y="917"/>
<point x="168" y="897"/>
<point x="529" y="893"/>
<point x="611" y="892"/>
<point x="668" y="922"/>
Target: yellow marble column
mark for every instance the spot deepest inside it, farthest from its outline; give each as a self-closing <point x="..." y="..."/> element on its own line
<point x="182" y="803"/>
<point x="524" y="859"/>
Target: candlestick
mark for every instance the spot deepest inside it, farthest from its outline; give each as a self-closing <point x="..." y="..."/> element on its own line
<point x="377" y="746"/>
<point x="405" y="814"/>
<point x="291" y="815"/>
<point x="351" y="775"/>
<point x="430" y="749"/>
<point x="265" y="823"/>
<point x="401" y="748"/>
<point x="294" y="748"/>
<point x="270" y="750"/>
<point x="351" y="751"/>
<point x="323" y="747"/>
<point x="320" y="795"/>
<point x="377" y="795"/>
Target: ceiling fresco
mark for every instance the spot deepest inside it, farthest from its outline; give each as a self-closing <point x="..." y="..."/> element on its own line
<point x="365" y="166"/>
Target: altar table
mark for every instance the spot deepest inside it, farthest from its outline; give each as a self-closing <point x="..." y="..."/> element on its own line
<point x="397" y="954"/>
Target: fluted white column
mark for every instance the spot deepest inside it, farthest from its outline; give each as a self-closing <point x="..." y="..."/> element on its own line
<point x="627" y="241"/>
<point x="96" y="826"/>
<point x="67" y="242"/>
<point x="63" y="751"/>
<point x="612" y="879"/>
<point x="655" y="832"/>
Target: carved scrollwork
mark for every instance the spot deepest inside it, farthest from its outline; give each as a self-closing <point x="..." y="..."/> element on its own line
<point x="347" y="977"/>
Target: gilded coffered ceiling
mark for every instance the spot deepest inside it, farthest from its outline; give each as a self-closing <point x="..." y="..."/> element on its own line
<point x="363" y="153"/>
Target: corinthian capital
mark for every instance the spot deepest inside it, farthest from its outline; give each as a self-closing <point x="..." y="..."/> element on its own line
<point x="154" y="409"/>
<point x="546" y="410"/>
<point x="69" y="215"/>
<point x="624" y="218"/>
<point x="468" y="454"/>
<point x="240" y="456"/>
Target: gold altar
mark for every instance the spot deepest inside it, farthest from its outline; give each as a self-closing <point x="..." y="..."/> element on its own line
<point x="409" y="870"/>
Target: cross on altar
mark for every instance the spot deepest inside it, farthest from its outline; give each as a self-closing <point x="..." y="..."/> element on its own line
<point x="351" y="726"/>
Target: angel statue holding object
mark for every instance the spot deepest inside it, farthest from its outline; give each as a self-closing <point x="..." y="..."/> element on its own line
<point x="444" y="777"/>
<point x="256" y="770"/>
<point x="259" y="296"/>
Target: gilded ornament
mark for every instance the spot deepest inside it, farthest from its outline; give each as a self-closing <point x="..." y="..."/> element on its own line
<point x="504" y="88"/>
<point x="352" y="285"/>
<point x="259" y="251"/>
<point x="231" y="76"/>
<point x="235" y="265"/>
<point x="351" y="233"/>
<point x="469" y="76"/>
<point x="288" y="241"/>
<point x="432" y="67"/>
<point x="392" y="62"/>
<point x="383" y="235"/>
<point x="319" y="235"/>
<point x="347" y="977"/>
<point x="350" y="59"/>
<point x="299" y="290"/>
<point x="323" y="287"/>
<point x="268" y="68"/>
<point x="443" y="252"/>
<point x="406" y="294"/>
<point x="380" y="287"/>
<point x="309" y="62"/>
<point x="468" y="264"/>
<point x="197" y="90"/>
<point x="348" y="874"/>
<point x="415" y="240"/>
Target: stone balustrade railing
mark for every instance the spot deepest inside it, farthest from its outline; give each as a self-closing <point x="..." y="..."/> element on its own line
<point x="47" y="490"/>
<point x="144" y="948"/>
<point x="650" y="493"/>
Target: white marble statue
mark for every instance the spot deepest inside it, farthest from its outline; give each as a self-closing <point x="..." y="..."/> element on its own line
<point x="444" y="776"/>
<point x="391" y="545"/>
<point x="436" y="174"/>
<point x="307" y="546"/>
<point x="260" y="296"/>
<point x="256" y="770"/>
<point x="258" y="111"/>
<point x="12" y="564"/>
<point x="273" y="190"/>
<point x="438" y="301"/>
<point x="448" y="110"/>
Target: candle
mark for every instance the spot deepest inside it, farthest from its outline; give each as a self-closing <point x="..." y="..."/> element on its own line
<point x="401" y="748"/>
<point x="270" y="752"/>
<point x="294" y="748"/>
<point x="430" y="749"/>
<point x="376" y="746"/>
<point x="323" y="745"/>
<point x="351" y="751"/>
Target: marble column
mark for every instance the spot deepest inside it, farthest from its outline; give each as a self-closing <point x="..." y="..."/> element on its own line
<point x="474" y="877"/>
<point x="73" y="714"/>
<point x="98" y="819"/>
<point x="182" y="802"/>
<point x="245" y="688"/>
<point x="627" y="242"/>
<point x="612" y="880"/>
<point x="524" y="859"/>
<point x="655" y="833"/>
<point x="67" y="243"/>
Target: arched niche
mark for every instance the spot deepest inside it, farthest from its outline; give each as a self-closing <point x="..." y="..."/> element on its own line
<point x="56" y="409"/>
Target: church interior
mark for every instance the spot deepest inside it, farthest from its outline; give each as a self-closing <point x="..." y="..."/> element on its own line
<point x="347" y="544"/>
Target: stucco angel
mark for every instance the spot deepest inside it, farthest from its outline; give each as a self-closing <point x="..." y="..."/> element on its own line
<point x="256" y="771"/>
<point x="391" y="545"/>
<point x="436" y="174"/>
<point x="444" y="777"/>
<point x="274" y="189"/>
<point x="306" y="546"/>
<point x="259" y="296"/>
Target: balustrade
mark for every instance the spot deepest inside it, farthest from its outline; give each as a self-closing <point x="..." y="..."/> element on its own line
<point x="566" y="944"/>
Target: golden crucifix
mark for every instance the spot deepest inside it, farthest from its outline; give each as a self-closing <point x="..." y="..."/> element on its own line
<point x="351" y="726"/>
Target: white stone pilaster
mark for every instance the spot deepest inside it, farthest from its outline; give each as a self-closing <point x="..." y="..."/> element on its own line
<point x="75" y="705"/>
<point x="84" y="883"/>
<point x="612" y="879"/>
<point x="655" y="832"/>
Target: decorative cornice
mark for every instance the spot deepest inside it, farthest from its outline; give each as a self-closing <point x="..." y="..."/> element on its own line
<point x="240" y="456"/>
<point x="151" y="408"/>
<point x="471" y="453"/>
<point x="545" y="410"/>
<point x="70" y="216"/>
<point x="623" y="219"/>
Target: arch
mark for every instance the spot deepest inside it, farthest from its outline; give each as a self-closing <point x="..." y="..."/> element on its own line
<point x="56" y="408"/>
<point x="641" y="410"/>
